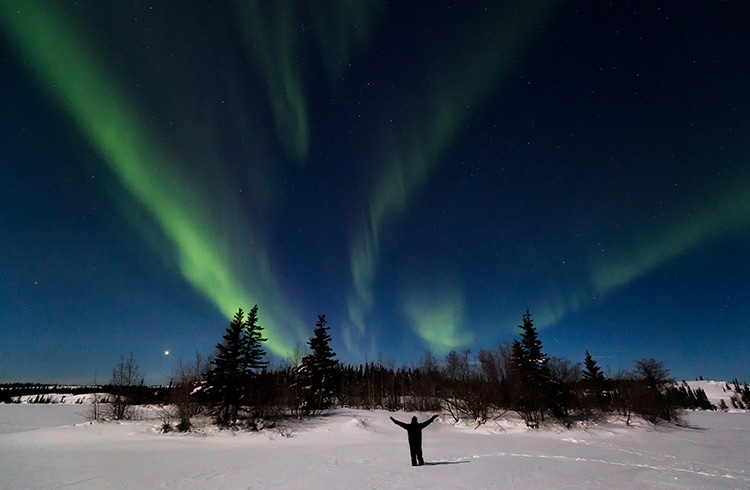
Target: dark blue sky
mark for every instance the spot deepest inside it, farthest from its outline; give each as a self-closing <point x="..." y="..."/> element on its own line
<point x="420" y="173"/>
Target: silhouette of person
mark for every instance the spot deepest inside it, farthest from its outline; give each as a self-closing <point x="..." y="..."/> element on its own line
<point x="415" y="437"/>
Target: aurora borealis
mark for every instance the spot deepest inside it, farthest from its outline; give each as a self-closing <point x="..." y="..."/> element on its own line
<point x="421" y="173"/>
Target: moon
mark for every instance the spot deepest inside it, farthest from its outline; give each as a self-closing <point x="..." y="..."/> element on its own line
<point x="166" y="352"/>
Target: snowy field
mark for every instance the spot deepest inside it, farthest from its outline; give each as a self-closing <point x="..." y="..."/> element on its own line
<point x="52" y="446"/>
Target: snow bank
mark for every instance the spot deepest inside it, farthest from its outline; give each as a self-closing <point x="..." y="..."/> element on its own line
<point x="57" y="398"/>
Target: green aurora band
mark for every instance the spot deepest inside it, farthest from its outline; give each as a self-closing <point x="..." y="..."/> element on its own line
<point x="474" y="71"/>
<point x="436" y="314"/>
<point x="462" y="79"/>
<point x="712" y="219"/>
<point x="341" y="26"/>
<point x="207" y="248"/>
<point x="73" y="74"/>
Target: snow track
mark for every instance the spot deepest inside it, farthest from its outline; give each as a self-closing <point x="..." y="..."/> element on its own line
<point x="661" y="468"/>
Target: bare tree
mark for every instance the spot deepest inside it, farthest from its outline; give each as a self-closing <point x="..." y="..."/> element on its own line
<point x="295" y="363"/>
<point x="565" y="377"/>
<point x="186" y="378"/>
<point x="94" y="412"/>
<point x="298" y="353"/>
<point x="424" y="394"/>
<point x="624" y="393"/>
<point x="653" y="400"/>
<point x="466" y="392"/>
<point x="126" y="379"/>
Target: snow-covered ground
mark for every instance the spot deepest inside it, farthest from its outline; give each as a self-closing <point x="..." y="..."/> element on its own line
<point x="52" y="446"/>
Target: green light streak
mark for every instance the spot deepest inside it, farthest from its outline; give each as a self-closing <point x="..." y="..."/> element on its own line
<point x="648" y="247"/>
<point x="73" y="73"/>
<point x="341" y="27"/>
<point x="715" y="218"/>
<point x="274" y="33"/>
<point x="461" y="82"/>
<point x="272" y="38"/>
<point x="438" y="319"/>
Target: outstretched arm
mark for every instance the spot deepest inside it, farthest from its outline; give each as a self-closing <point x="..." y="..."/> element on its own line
<point x="399" y="423"/>
<point x="428" y="422"/>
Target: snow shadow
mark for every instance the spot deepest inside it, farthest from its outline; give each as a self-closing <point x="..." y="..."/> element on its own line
<point x="436" y="463"/>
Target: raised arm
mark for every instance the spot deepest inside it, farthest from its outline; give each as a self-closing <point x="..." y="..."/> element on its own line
<point x="399" y="423"/>
<point x="428" y="422"/>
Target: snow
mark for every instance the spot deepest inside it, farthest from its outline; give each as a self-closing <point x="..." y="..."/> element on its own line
<point x="715" y="391"/>
<point x="49" y="446"/>
<point x="60" y="398"/>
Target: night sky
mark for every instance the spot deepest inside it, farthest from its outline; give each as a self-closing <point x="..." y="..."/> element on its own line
<point x="420" y="172"/>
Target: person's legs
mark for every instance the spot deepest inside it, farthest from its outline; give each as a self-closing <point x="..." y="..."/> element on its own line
<point x="419" y="457"/>
<point x="413" y="456"/>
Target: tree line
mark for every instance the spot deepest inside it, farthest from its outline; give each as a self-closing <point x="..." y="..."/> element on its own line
<point x="237" y="387"/>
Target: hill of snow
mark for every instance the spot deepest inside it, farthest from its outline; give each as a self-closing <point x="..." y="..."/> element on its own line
<point x="716" y="391"/>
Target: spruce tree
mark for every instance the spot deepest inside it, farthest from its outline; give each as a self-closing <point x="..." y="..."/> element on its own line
<point x="225" y="378"/>
<point x="594" y="384"/>
<point x="592" y="372"/>
<point x="534" y="361"/>
<point x="252" y="356"/>
<point x="238" y="360"/>
<point x="318" y="369"/>
<point x="537" y="391"/>
<point x="702" y="399"/>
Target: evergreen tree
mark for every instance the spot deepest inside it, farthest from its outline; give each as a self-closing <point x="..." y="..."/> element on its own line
<point x="534" y="363"/>
<point x="702" y="399"/>
<point x="531" y="343"/>
<point x="238" y="359"/>
<point x="252" y="355"/>
<point x="318" y="369"/>
<point x="225" y="378"/>
<point x="252" y="358"/>
<point x="537" y="391"/>
<point x="594" y="385"/>
<point x="592" y="372"/>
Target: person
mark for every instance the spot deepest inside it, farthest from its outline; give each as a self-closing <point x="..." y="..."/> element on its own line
<point x="415" y="437"/>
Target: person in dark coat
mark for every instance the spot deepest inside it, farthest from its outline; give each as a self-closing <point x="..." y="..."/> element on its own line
<point x="415" y="437"/>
